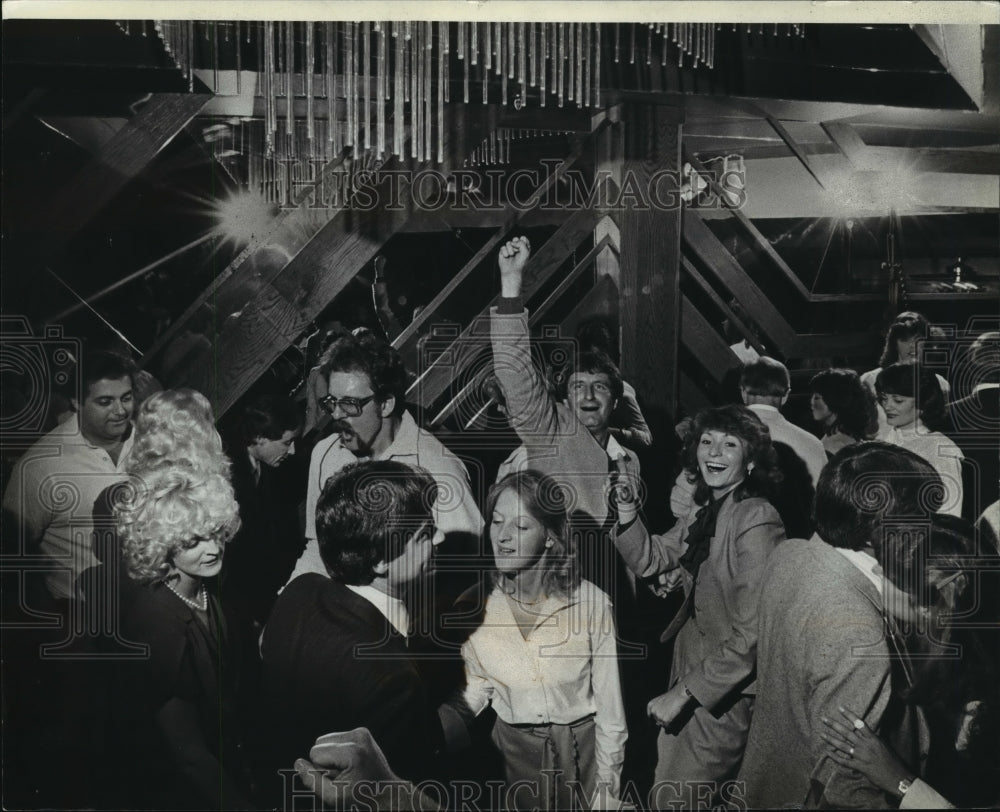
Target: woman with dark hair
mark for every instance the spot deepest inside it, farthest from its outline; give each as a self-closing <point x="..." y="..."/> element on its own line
<point x="843" y="407"/>
<point x="545" y="654"/>
<point x="914" y="407"/>
<point x="181" y="723"/>
<point x="947" y="616"/>
<point x="902" y="341"/>
<point x="718" y="553"/>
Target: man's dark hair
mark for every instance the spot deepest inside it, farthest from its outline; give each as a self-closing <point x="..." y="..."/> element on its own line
<point x="595" y="334"/>
<point x="765" y="378"/>
<point x="268" y="416"/>
<point x="100" y="365"/>
<point x="594" y="362"/>
<point x="367" y="513"/>
<point x="374" y="357"/>
<point x="869" y="484"/>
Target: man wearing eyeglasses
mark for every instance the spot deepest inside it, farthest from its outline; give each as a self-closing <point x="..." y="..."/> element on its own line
<point x="366" y="383"/>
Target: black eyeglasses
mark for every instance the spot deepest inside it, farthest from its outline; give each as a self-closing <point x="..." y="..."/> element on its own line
<point x="351" y="407"/>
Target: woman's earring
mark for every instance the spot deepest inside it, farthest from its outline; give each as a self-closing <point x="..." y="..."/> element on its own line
<point x="750" y="469"/>
<point x="548" y="543"/>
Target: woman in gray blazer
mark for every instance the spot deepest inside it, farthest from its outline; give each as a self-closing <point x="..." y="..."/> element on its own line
<point x="717" y="554"/>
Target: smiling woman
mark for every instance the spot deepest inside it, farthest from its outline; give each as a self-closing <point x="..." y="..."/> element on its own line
<point x="717" y="554"/>
<point x="177" y="707"/>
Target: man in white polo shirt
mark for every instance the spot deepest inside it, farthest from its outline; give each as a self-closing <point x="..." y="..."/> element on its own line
<point x="50" y="499"/>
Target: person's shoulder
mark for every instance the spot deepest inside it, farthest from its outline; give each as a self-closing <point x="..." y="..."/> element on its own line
<point x="431" y="448"/>
<point x="811" y="555"/>
<point x="589" y="593"/>
<point x="946" y="446"/>
<point x="753" y="508"/>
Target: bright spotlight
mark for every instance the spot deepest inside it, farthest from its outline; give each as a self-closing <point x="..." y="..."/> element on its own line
<point x="243" y="218"/>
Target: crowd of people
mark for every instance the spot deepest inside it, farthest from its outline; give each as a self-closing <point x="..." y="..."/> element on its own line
<point x="188" y="637"/>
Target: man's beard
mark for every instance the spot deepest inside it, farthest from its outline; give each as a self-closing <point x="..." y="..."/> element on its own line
<point x="363" y="449"/>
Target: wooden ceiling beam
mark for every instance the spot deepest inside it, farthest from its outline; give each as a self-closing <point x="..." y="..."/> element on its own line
<point x="447" y="366"/>
<point x="282" y="309"/>
<point x="122" y="158"/>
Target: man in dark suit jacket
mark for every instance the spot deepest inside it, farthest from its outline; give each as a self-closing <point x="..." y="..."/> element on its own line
<point x="975" y="425"/>
<point x="335" y="648"/>
<point x="262" y="555"/>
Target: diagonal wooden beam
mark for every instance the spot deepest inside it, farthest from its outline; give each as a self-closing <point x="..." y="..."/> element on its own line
<point x="759" y="239"/>
<point x="702" y="283"/>
<point x="410" y="334"/>
<point x="462" y="355"/>
<point x="247" y="345"/>
<point x="299" y="220"/>
<point x="704" y="342"/>
<point x="847" y="140"/>
<point x="537" y="314"/>
<point x="787" y="340"/>
<point x="123" y="157"/>
<point x="797" y="150"/>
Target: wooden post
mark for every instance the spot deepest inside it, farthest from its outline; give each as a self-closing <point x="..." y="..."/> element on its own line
<point x="650" y="223"/>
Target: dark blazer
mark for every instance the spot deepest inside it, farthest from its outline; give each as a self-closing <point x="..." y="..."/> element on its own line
<point x="262" y="555"/>
<point x="974" y="425"/>
<point x="186" y="660"/>
<point x="332" y="662"/>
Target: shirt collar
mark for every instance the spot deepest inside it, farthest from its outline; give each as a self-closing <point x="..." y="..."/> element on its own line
<point x="982" y="387"/>
<point x="405" y="443"/>
<point x="393" y="609"/>
<point x="71" y="427"/>
<point x="254" y="465"/>
<point x="614" y="449"/>
<point x="764" y="409"/>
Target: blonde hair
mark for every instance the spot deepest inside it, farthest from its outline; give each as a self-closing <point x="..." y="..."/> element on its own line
<point x="177" y="427"/>
<point x="545" y="501"/>
<point x="165" y="509"/>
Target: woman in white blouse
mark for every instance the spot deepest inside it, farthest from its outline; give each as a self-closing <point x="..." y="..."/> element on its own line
<point x="545" y="656"/>
<point x="914" y="406"/>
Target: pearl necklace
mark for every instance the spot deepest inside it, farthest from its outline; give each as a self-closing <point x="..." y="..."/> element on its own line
<point x="201" y="604"/>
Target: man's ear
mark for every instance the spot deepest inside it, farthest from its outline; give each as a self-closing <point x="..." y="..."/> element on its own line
<point x="784" y="398"/>
<point x="388" y="406"/>
<point x="743" y="394"/>
<point x="381" y="568"/>
<point x="75" y="403"/>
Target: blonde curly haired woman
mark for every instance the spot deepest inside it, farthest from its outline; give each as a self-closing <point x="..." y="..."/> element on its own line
<point x="181" y="730"/>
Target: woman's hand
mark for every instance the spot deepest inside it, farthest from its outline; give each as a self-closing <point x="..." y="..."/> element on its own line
<point x="625" y="492"/>
<point x="855" y="746"/>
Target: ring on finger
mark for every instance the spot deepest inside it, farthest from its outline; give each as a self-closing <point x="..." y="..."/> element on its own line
<point x="850" y="751"/>
<point x="859" y="724"/>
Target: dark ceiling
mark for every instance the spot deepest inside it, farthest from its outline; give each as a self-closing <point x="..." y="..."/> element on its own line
<point x="91" y="69"/>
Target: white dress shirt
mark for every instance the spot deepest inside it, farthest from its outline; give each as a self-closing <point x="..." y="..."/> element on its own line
<point x="566" y="669"/>
<point x="392" y="608"/>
